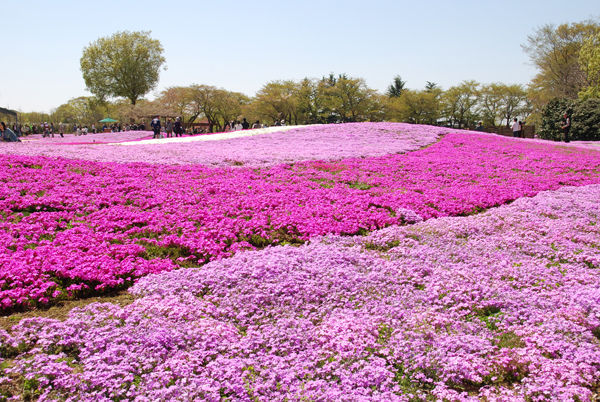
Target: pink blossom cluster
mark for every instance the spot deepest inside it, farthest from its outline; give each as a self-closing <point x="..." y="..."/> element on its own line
<point x="328" y="142"/>
<point x="499" y="306"/>
<point x="75" y="228"/>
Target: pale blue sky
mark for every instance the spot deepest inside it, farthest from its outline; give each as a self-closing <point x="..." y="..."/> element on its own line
<point x="240" y="45"/>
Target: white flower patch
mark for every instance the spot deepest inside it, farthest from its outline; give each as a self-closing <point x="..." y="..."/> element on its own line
<point x="211" y="137"/>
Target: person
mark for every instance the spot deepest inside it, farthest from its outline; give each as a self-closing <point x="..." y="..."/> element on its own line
<point x="245" y="124"/>
<point x="155" y="124"/>
<point x="61" y="130"/>
<point x="169" y="128"/>
<point x="52" y="129"/>
<point x="94" y="128"/>
<point x="516" y="128"/>
<point x="238" y="126"/>
<point x="177" y="128"/>
<point x="227" y="127"/>
<point x="77" y="131"/>
<point x="479" y="126"/>
<point x="7" y="134"/>
<point x="256" y="124"/>
<point x="566" y="127"/>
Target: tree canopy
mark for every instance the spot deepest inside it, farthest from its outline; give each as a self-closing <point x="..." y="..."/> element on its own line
<point x="126" y="64"/>
<point x="554" y="51"/>
<point x="396" y="87"/>
<point x="589" y="59"/>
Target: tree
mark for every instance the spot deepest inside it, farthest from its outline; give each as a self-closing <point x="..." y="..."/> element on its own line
<point x="431" y="86"/>
<point x="278" y="100"/>
<point x="459" y="103"/>
<point x="229" y="105"/>
<point x="554" y="51"/>
<point x="309" y="103"/>
<point x="492" y="98"/>
<point x="178" y="99"/>
<point x="126" y="65"/>
<point x="417" y="107"/>
<point x="352" y="100"/>
<point x="396" y="87"/>
<point x="589" y="60"/>
<point x="203" y="102"/>
<point x="514" y="101"/>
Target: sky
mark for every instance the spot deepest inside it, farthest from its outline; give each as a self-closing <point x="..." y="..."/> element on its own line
<point x="240" y="46"/>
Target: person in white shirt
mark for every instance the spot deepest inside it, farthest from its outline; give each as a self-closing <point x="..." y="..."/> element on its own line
<point x="238" y="126"/>
<point x="516" y="128"/>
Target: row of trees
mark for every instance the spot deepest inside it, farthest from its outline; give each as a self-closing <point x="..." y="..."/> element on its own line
<point x="567" y="58"/>
<point x="330" y="99"/>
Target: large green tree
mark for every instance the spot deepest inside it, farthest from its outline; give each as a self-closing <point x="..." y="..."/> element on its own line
<point x="278" y="100"/>
<point x="589" y="59"/>
<point x="459" y="103"/>
<point x="126" y="64"/>
<point x="554" y="51"/>
<point x="416" y="106"/>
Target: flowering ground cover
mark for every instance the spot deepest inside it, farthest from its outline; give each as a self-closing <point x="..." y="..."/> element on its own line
<point x="39" y="140"/>
<point x="75" y="228"/>
<point x="499" y="306"/>
<point x="257" y="148"/>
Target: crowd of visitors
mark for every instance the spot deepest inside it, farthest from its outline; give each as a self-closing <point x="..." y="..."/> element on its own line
<point x="8" y="135"/>
<point x="167" y="129"/>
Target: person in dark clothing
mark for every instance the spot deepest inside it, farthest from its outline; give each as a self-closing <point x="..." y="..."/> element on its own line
<point x="479" y="127"/>
<point x="566" y="127"/>
<point x="156" y="126"/>
<point x="245" y="124"/>
<point x="178" y="131"/>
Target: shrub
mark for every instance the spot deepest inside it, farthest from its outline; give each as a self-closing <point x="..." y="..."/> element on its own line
<point x="552" y="116"/>
<point x="586" y="120"/>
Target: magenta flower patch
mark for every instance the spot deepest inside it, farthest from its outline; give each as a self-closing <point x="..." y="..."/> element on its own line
<point x="75" y="228"/>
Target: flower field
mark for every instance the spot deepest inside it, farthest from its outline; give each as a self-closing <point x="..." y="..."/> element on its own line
<point x="362" y="262"/>
<point x="253" y="148"/>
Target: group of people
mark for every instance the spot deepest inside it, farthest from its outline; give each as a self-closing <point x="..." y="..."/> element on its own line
<point x="517" y="128"/>
<point x="244" y="125"/>
<point x="170" y="127"/>
<point x="7" y="134"/>
<point x="175" y="128"/>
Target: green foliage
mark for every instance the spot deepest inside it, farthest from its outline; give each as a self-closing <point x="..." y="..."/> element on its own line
<point x="416" y="107"/>
<point x="555" y="51"/>
<point x="127" y="65"/>
<point x="552" y="117"/>
<point x="395" y="89"/>
<point x="589" y="60"/>
<point x="586" y="120"/>
<point x="459" y="103"/>
<point x="510" y="340"/>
